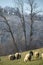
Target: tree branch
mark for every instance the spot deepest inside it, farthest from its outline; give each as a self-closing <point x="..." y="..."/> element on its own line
<point x="6" y="21"/>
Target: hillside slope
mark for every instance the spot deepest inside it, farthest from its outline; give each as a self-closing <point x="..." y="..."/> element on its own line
<point x="5" y="61"/>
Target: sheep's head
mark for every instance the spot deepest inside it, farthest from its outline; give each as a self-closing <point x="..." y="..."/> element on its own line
<point x="31" y="53"/>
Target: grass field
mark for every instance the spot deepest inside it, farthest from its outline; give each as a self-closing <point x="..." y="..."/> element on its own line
<point x="6" y="61"/>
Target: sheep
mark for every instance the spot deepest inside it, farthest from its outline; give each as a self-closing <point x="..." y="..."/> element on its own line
<point x="36" y="54"/>
<point x="27" y="57"/>
<point x="42" y="55"/>
<point x="17" y="55"/>
<point x="31" y="52"/>
<point x="11" y="57"/>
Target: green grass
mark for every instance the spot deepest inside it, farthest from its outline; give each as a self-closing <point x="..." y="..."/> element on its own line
<point x="6" y="61"/>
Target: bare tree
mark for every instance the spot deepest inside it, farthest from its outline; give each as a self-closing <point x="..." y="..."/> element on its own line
<point x="33" y="12"/>
<point x="20" y="5"/>
<point x="9" y="29"/>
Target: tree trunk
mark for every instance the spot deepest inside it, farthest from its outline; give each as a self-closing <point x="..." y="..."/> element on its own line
<point x="24" y="30"/>
<point x="31" y="26"/>
<point x="15" y="45"/>
<point x="6" y="22"/>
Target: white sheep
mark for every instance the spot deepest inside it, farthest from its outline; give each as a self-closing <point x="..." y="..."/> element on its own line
<point x="17" y="55"/>
<point x="27" y="57"/>
<point x="31" y="52"/>
<point x="11" y="57"/>
<point x="36" y="54"/>
<point x="42" y="55"/>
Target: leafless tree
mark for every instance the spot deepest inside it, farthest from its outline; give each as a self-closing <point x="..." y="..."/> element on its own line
<point x="33" y="12"/>
<point x="9" y="29"/>
<point x="20" y="6"/>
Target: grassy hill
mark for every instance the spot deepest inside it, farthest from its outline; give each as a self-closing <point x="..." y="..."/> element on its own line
<point x="6" y="61"/>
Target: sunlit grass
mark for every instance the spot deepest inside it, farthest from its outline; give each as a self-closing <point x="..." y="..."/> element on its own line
<point x="5" y="61"/>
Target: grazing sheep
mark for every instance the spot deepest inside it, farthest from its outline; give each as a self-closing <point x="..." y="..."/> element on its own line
<point x="36" y="54"/>
<point x="11" y="57"/>
<point x="27" y="57"/>
<point x="42" y="55"/>
<point x="17" y="55"/>
<point x="31" y="53"/>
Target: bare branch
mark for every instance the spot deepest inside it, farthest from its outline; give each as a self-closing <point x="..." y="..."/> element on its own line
<point x="6" y="22"/>
<point x="31" y="2"/>
<point x="33" y="12"/>
<point x="37" y="12"/>
<point x="6" y="30"/>
<point x="21" y="7"/>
